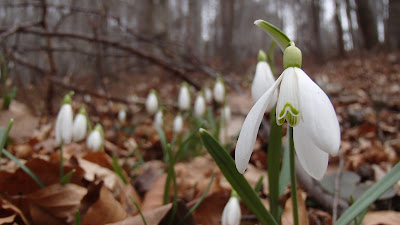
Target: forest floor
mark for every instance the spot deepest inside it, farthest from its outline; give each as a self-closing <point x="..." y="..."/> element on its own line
<point x="364" y="89"/>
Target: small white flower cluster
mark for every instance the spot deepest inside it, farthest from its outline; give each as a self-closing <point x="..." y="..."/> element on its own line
<point x="68" y="130"/>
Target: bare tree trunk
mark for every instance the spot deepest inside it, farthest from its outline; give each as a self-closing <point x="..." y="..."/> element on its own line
<point x="339" y="29"/>
<point x="368" y="23"/>
<point x="227" y="12"/>
<point x="318" y="50"/>
<point x="393" y="36"/>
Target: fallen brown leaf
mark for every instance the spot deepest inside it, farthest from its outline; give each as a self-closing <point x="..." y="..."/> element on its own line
<point x="287" y="214"/>
<point x="9" y="212"/>
<point x="105" y="210"/>
<point x="59" y="201"/>
<point x="382" y="218"/>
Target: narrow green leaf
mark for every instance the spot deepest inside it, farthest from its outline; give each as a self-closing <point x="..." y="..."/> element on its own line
<point x="237" y="180"/>
<point x="139" y="210"/>
<point x="277" y="35"/>
<point x="370" y="196"/>
<point x="259" y="184"/>
<point x="77" y="217"/>
<point x="164" y="143"/>
<point x="118" y="169"/>
<point x="66" y="179"/>
<point x="274" y="165"/>
<point x="199" y="201"/>
<point x="23" y="167"/>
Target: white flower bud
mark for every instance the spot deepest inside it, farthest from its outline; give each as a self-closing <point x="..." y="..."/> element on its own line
<point x="263" y="80"/>
<point x="152" y="103"/>
<point x="208" y="95"/>
<point x="158" y="119"/>
<point x="232" y="213"/>
<point x="178" y="124"/>
<point x="226" y="113"/>
<point x="219" y="91"/>
<point x="184" y="97"/>
<point x="94" y="141"/>
<point x="80" y="127"/>
<point x="64" y="124"/>
<point x="199" y="106"/>
<point x="122" y="115"/>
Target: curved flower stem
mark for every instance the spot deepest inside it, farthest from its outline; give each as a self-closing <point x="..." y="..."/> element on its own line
<point x="61" y="161"/>
<point x="293" y="177"/>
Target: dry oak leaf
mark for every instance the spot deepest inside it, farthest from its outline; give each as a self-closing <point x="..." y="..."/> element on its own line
<point x="382" y="218"/>
<point x="56" y="203"/>
<point x="9" y="213"/>
<point x="287" y="214"/>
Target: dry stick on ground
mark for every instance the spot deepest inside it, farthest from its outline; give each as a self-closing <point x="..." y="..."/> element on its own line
<point x="314" y="189"/>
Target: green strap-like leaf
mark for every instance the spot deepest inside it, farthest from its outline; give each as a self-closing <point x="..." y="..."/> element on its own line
<point x="237" y="180"/>
<point x="279" y="37"/>
<point x="370" y="196"/>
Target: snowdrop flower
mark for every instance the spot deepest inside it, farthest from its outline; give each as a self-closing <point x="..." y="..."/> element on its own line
<point x="184" y="97"/>
<point x="219" y="91"/>
<point x="301" y="102"/>
<point x="208" y="95"/>
<point x="158" y="119"/>
<point x="200" y="105"/>
<point x="64" y="121"/>
<point x="80" y="125"/>
<point x="122" y="115"/>
<point x="152" y="102"/>
<point x="95" y="140"/>
<point x="232" y="213"/>
<point x="178" y="124"/>
<point x="263" y="79"/>
<point x="226" y="113"/>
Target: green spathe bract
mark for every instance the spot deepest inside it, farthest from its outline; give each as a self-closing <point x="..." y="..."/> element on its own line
<point x="279" y="37"/>
<point x="292" y="57"/>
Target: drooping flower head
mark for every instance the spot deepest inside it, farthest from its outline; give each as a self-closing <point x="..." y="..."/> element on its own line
<point x="80" y="125"/>
<point x="306" y="107"/>
<point x="122" y="115"/>
<point x="95" y="140"/>
<point x="199" y="105"/>
<point x="184" y="97"/>
<point x="64" y="121"/>
<point x="219" y="90"/>
<point x="232" y="213"/>
<point x="263" y="79"/>
<point x="226" y="113"/>
<point x="178" y="124"/>
<point x="208" y="95"/>
<point x="152" y="102"/>
<point x="158" y="119"/>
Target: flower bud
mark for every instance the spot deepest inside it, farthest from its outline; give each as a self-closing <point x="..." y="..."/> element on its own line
<point x="208" y="95"/>
<point x="178" y="124"/>
<point x="184" y="97"/>
<point x="219" y="91"/>
<point x="80" y="126"/>
<point x="199" y="105"/>
<point x="262" y="56"/>
<point x="95" y="140"/>
<point x="232" y="213"/>
<point x="226" y="113"/>
<point x="122" y="115"/>
<point x="263" y="80"/>
<point x="64" y="122"/>
<point x="152" y="102"/>
<point x="158" y="119"/>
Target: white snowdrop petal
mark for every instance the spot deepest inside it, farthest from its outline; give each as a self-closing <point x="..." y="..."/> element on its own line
<point x="248" y="133"/>
<point x="318" y="114"/>
<point x="184" y="98"/>
<point x="79" y="127"/>
<point x="64" y="124"/>
<point x="178" y="124"/>
<point x="263" y="80"/>
<point x="219" y="92"/>
<point x="199" y="106"/>
<point x="94" y="141"/>
<point x="208" y="95"/>
<point x="288" y="105"/>
<point x="122" y="115"/>
<point x="158" y="119"/>
<point x="152" y="103"/>
<point x="311" y="157"/>
<point x="226" y="113"/>
<point x="232" y="213"/>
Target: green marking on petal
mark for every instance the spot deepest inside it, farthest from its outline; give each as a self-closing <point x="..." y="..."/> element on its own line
<point x="289" y="113"/>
